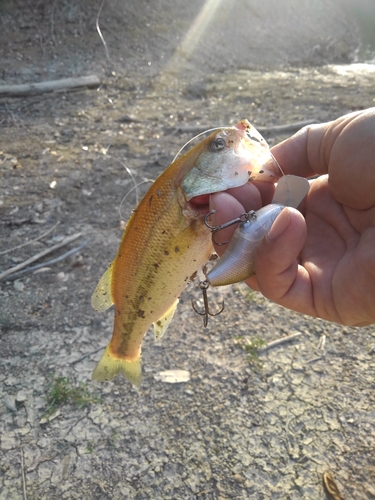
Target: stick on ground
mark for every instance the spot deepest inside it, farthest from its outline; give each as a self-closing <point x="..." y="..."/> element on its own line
<point x="31" y="269"/>
<point x="30" y="241"/>
<point x="23" y="475"/>
<point x="278" y="342"/>
<point x="81" y="358"/>
<point x="39" y="255"/>
<point x="63" y="85"/>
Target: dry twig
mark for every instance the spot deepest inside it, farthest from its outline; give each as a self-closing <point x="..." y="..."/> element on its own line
<point x="63" y="85"/>
<point x="331" y="487"/>
<point x="278" y="342"/>
<point x="23" y="475"/>
<point x="86" y="355"/>
<point x="48" y="263"/>
<point x="38" y="256"/>
<point x="30" y="241"/>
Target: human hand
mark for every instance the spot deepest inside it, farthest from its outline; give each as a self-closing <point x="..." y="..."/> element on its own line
<point x="322" y="264"/>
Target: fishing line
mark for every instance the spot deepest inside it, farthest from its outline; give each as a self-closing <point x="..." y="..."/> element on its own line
<point x="133" y="179"/>
<point x="100" y="32"/>
<point x="277" y="163"/>
<point x="221" y="128"/>
<point x="135" y="187"/>
<point x="130" y="191"/>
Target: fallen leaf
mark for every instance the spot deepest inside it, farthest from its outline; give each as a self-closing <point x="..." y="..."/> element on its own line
<point x="172" y="376"/>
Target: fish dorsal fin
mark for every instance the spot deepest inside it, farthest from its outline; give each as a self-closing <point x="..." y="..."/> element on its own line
<point x="101" y="299"/>
<point x="290" y="190"/>
<point x="162" y="324"/>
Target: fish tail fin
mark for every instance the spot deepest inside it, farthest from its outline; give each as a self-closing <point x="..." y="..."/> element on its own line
<point x="109" y="366"/>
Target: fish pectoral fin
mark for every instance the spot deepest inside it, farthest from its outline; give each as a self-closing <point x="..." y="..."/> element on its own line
<point x="162" y="324"/>
<point x="109" y="366"/>
<point x="101" y="298"/>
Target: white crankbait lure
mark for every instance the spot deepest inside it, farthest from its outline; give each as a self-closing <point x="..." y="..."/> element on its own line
<point x="237" y="263"/>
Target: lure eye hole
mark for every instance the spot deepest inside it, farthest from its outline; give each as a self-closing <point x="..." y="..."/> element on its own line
<point x="218" y="144"/>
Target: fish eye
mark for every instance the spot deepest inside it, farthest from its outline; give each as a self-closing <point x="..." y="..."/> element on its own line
<point x="218" y="144"/>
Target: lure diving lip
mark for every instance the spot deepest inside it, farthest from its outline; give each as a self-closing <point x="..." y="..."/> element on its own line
<point x="237" y="263"/>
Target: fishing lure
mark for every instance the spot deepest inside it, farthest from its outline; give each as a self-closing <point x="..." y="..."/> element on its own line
<point x="237" y="264"/>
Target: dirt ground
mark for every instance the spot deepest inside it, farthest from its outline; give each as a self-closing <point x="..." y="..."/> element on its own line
<point x="241" y="427"/>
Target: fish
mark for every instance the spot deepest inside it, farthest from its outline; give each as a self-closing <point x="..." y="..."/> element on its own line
<point x="237" y="263"/>
<point x="166" y="241"/>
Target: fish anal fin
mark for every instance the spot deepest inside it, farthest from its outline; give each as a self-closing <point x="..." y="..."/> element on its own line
<point x="109" y="366"/>
<point x="162" y="324"/>
<point x="101" y="298"/>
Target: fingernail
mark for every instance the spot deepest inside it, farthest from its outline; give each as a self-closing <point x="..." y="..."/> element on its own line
<point x="280" y="225"/>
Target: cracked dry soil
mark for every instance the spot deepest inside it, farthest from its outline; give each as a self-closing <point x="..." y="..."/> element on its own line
<point x="235" y="430"/>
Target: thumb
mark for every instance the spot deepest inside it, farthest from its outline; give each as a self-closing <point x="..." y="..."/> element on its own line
<point x="278" y="275"/>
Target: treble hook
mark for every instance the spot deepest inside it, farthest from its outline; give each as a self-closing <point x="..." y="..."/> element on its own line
<point x="203" y="285"/>
<point x="245" y="217"/>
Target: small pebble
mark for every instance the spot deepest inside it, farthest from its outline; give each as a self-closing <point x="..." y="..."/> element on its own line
<point x="18" y="285"/>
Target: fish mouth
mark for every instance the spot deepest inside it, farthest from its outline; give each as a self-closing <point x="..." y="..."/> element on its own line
<point x="199" y="205"/>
